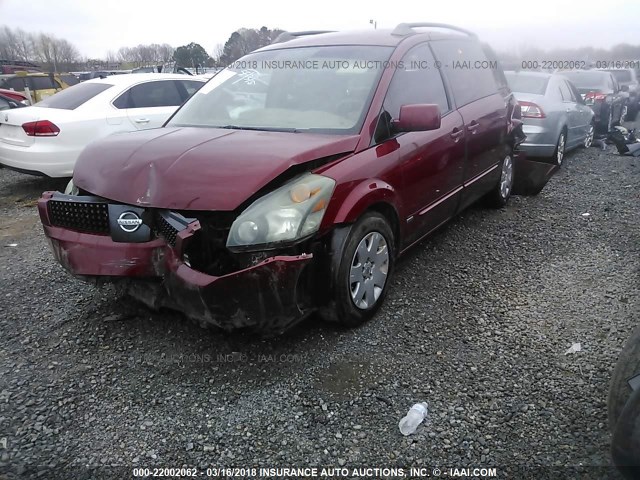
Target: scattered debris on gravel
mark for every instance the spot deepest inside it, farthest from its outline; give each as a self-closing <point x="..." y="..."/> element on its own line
<point x="477" y="323"/>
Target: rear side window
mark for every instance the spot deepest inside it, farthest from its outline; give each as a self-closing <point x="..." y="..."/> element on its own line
<point x="73" y="97"/>
<point x="163" y="93"/>
<point x="416" y="82"/>
<point x="564" y="91"/>
<point x="467" y="68"/>
<point x="4" y="104"/>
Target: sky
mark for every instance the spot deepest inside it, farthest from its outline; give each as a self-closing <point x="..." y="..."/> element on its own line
<point x="96" y="27"/>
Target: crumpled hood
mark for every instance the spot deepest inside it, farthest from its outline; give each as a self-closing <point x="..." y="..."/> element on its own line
<point x="192" y="168"/>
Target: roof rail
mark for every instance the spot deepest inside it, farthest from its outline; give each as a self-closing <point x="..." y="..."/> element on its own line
<point x="286" y="36"/>
<point x="404" y="29"/>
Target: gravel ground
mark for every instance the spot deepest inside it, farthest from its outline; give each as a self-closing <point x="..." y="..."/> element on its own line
<point x="477" y="323"/>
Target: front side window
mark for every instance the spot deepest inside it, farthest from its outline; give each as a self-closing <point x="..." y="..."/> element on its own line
<point x="468" y="69"/>
<point x="317" y="89"/>
<point x="416" y="81"/>
<point x="188" y="87"/>
<point x="159" y="93"/>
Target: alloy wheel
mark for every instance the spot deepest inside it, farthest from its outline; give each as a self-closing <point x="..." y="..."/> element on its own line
<point x="369" y="269"/>
<point x="589" y="138"/>
<point x="560" y="149"/>
<point x="506" y="177"/>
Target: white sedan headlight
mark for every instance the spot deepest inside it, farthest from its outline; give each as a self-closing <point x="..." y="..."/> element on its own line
<point x="290" y="213"/>
<point x="71" y="189"/>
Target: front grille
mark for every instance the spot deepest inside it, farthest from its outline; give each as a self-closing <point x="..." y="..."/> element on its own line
<point x="166" y="230"/>
<point x="81" y="216"/>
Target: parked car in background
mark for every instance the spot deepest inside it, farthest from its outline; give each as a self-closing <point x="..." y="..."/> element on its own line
<point x="555" y="116"/>
<point x="601" y="92"/>
<point x="41" y="85"/>
<point x="257" y="210"/>
<point x="7" y="102"/>
<point x="17" y="96"/>
<point x="15" y="66"/>
<point x="628" y="81"/>
<point x="47" y="138"/>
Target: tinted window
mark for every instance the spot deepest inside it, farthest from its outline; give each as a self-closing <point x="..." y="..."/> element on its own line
<point x="73" y="97"/>
<point x="622" y="75"/>
<point x="417" y="82"/>
<point x="4" y="104"/>
<point x="16" y="83"/>
<point x="564" y="91"/>
<point x="42" y="83"/>
<point x="527" y="83"/>
<point x="583" y="79"/>
<point x="70" y="79"/>
<point x="468" y="69"/>
<point x="188" y="88"/>
<point x="162" y="93"/>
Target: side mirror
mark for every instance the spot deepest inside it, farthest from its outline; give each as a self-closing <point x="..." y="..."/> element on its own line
<point x="624" y="88"/>
<point x="417" y="118"/>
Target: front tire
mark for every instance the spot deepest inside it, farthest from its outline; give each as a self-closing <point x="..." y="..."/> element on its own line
<point x="365" y="266"/>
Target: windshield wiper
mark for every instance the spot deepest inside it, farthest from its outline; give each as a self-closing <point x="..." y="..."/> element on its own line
<point x="261" y="129"/>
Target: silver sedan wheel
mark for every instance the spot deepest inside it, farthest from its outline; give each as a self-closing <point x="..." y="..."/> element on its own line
<point x="589" y="138"/>
<point x="369" y="268"/>
<point x="560" y="149"/>
<point x="506" y="177"/>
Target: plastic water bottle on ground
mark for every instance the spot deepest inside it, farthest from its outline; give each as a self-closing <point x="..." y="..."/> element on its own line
<point x="416" y="415"/>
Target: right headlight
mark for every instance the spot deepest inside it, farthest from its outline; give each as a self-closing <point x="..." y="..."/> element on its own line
<point x="292" y="212"/>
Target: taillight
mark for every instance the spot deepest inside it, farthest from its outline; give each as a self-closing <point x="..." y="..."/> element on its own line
<point x="531" y="110"/>
<point x="40" y="128"/>
<point x="595" y="96"/>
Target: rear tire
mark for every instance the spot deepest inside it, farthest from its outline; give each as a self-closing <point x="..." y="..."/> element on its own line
<point x="499" y="196"/>
<point x="364" y="267"/>
<point x="561" y="147"/>
<point x="628" y="366"/>
<point x="588" y="141"/>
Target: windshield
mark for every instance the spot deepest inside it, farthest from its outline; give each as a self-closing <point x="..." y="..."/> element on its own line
<point x="587" y="79"/>
<point x="317" y="89"/>
<point x="523" y="83"/>
<point x="622" y="75"/>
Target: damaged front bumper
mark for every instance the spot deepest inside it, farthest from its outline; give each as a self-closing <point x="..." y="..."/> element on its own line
<point x="267" y="295"/>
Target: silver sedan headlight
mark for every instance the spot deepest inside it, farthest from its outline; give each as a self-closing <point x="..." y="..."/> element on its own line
<point x="292" y="212"/>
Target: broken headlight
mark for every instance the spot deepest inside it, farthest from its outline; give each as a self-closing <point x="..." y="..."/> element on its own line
<point x="290" y="213"/>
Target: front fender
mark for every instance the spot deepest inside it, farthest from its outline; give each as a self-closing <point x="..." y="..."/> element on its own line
<point x="349" y="201"/>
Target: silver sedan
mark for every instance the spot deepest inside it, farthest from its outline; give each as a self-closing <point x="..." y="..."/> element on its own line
<point x="554" y="114"/>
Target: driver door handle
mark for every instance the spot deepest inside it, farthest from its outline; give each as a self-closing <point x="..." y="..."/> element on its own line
<point x="142" y="120"/>
<point x="456" y="134"/>
<point x="473" y="126"/>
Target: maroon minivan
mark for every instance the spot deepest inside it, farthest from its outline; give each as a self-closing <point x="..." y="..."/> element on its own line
<point x="291" y="182"/>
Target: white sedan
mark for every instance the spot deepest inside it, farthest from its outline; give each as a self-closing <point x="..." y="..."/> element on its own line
<point x="47" y="138"/>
